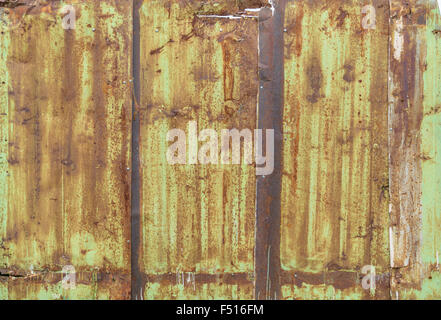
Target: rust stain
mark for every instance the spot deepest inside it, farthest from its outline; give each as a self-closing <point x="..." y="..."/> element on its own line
<point x="294" y="27"/>
<point x="342" y="15"/>
<point x="228" y="71"/>
<point x="314" y="74"/>
<point x="216" y="6"/>
<point x="201" y="278"/>
<point x="157" y="50"/>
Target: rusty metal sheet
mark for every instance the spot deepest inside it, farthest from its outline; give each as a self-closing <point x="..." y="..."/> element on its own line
<point x="65" y="150"/>
<point x="334" y="201"/>
<point x="196" y="221"/>
<point x="414" y="141"/>
<point x="351" y="89"/>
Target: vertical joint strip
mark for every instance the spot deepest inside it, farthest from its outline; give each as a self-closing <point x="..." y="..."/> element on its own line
<point x="136" y="276"/>
<point x="268" y="188"/>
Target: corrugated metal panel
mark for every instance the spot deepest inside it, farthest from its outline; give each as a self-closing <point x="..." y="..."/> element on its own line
<point x="197" y="221"/>
<point x="65" y="151"/>
<point x="335" y="163"/>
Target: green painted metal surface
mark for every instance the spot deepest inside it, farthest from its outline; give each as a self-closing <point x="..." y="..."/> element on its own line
<point x="84" y="179"/>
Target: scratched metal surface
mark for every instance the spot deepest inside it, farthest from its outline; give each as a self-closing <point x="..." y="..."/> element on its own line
<point x="357" y="169"/>
<point x="65" y="150"/>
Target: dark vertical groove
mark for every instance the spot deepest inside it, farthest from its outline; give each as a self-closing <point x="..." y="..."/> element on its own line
<point x="268" y="189"/>
<point x="136" y="276"/>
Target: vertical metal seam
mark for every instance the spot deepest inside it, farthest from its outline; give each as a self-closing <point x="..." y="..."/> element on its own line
<point x="268" y="189"/>
<point x="136" y="277"/>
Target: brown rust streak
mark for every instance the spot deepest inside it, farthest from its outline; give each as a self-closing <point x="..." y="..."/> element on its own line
<point x="339" y="279"/>
<point x="228" y="71"/>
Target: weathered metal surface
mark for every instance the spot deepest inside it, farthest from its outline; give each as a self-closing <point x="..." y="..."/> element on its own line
<point x="350" y="87"/>
<point x="65" y="150"/>
<point x="335" y="164"/>
<point x="414" y="141"/>
<point x="197" y="221"/>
